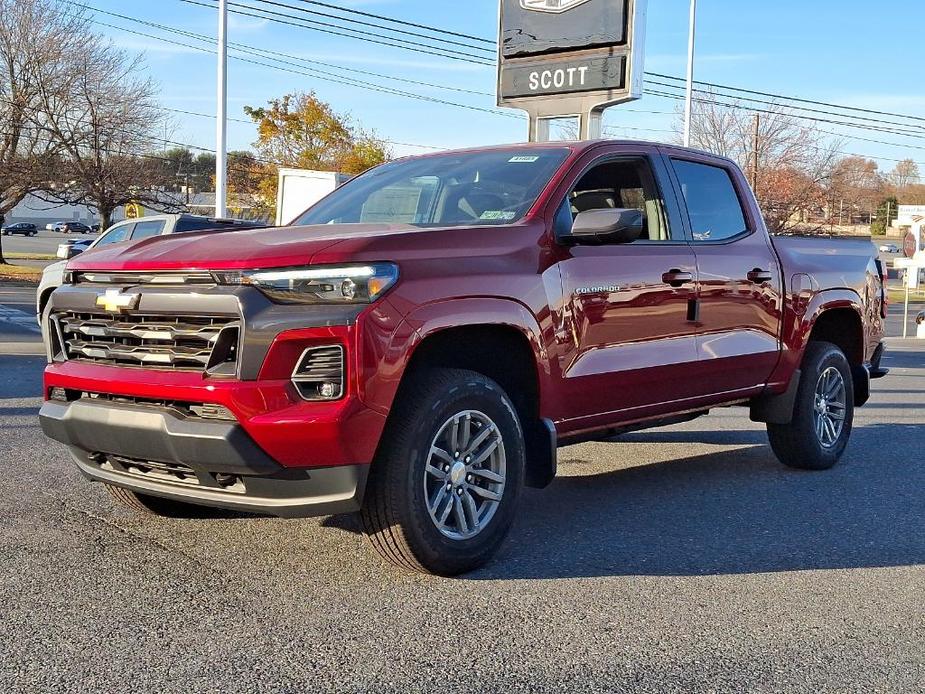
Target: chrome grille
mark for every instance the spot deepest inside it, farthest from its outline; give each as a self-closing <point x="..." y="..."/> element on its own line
<point x="179" y="342"/>
<point x="136" y="278"/>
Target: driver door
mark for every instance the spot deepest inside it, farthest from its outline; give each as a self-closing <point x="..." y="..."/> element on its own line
<point x="629" y="310"/>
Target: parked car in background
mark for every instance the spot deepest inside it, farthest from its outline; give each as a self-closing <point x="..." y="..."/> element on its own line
<point x="129" y="230"/>
<point x="21" y="229"/>
<point x="75" y="228"/>
<point x="55" y="226"/>
<point x="889" y="248"/>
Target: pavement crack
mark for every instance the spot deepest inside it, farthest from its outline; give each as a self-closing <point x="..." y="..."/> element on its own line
<point x="138" y="536"/>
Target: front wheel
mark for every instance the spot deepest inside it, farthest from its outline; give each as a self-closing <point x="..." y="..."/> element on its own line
<point x="823" y="413"/>
<point x="445" y="486"/>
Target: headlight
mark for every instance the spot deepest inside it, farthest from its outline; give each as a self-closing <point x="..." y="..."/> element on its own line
<point x="347" y="284"/>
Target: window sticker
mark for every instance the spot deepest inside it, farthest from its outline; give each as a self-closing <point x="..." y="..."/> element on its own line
<point x="522" y="159"/>
<point x="504" y="215"/>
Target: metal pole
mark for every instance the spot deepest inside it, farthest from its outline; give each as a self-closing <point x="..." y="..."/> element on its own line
<point x="906" y="303"/>
<point x="689" y="102"/>
<point x="221" y="132"/>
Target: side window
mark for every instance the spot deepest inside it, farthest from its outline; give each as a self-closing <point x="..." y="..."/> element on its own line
<point x="115" y="234"/>
<point x="145" y="229"/>
<point x="712" y="202"/>
<point x="621" y="184"/>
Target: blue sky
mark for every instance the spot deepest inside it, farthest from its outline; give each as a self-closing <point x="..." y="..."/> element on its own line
<point x="831" y="50"/>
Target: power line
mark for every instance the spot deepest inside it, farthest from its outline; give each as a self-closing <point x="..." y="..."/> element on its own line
<point x="396" y="21"/>
<point x="364" y="35"/>
<point x="754" y="109"/>
<point x="305" y="10"/>
<point x="312" y="72"/>
<point x="743" y="90"/>
<point x="791" y="98"/>
<point x="352" y="82"/>
<point x="903" y="127"/>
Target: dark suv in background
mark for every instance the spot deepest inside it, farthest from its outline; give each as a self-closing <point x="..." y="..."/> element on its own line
<point x="23" y="229"/>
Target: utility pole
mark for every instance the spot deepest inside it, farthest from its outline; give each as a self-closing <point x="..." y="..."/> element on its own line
<point x="689" y="101"/>
<point x="889" y="204"/>
<point x="221" y="132"/>
<point x="755" y="143"/>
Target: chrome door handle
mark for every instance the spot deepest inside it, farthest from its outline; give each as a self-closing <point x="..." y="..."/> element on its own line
<point x="677" y="278"/>
<point x="759" y="276"/>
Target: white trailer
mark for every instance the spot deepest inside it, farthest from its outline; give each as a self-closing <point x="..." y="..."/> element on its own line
<point x="299" y="189"/>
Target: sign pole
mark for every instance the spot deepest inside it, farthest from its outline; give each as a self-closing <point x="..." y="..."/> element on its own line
<point x="221" y="132"/>
<point x="906" y="307"/>
<point x="689" y="100"/>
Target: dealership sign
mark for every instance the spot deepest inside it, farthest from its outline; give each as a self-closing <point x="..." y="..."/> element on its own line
<point x="560" y="58"/>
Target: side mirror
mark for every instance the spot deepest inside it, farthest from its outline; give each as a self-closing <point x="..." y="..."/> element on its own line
<point x="71" y="252"/>
<point x="607" y="226"/>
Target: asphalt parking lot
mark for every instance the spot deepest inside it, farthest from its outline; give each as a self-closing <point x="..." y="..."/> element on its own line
<point x="44" y="243"/>
<point x="678" y="559"/>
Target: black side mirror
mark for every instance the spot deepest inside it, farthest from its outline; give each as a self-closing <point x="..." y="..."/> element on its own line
<point x="607" y="226"/>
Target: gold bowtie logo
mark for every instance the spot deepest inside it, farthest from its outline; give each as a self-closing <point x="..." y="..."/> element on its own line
<point x="114" y="301"/>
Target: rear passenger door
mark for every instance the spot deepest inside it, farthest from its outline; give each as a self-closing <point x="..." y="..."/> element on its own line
<point x="739" y="276"/>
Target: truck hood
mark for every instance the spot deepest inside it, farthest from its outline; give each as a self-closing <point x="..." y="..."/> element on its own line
<point x="255" y="248"/>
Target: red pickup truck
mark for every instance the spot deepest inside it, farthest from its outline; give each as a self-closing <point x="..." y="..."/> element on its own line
<point x="419" y="343"/>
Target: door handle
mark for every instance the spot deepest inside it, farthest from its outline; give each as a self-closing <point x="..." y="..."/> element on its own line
<point x="677" y="278"/>
<point x="759" y="276"/>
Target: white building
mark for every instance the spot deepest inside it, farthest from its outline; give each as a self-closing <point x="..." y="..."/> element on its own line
<point x="35" y="210"/>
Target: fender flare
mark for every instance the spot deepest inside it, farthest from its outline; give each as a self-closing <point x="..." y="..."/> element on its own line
<point x="776" y="406"/>
<point x="435" y="317"/>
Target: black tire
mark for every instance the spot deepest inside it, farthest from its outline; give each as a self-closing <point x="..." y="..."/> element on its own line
<point x="798" y="445"/>
<point x="395" y="514"/>
<point x="152" y="505"/>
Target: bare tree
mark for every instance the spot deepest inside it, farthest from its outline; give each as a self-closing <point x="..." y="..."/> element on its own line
<point x="855" y="189"/>
<point x="106" y="127"/>
<point x="788" y="163"/>
<point x="38" y="44"/>
<point x="905" y="174"/>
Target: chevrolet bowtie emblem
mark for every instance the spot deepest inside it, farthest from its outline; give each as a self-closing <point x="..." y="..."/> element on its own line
<point x="551" y="5"/>
<point x="114" y="301"/>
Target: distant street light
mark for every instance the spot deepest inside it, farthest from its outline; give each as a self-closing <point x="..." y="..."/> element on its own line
<point x="689" y="102"/>
<point x="221" y="134"/>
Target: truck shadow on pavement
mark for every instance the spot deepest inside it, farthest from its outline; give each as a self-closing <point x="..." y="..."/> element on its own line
<point x="731" y="512"/>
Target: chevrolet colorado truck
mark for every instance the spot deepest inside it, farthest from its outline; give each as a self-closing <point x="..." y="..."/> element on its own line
<point x="418" y="344"/>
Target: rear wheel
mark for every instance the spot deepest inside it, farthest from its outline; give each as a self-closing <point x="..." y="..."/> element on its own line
<point x="444" y="489"/>
<point x="151" y="505"/>
<point x="823" y="413"/>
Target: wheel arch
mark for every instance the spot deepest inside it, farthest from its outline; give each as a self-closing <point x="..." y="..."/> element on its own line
<point x="500" y="339"/>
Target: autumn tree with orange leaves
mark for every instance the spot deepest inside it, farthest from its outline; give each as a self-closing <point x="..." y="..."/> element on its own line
<point x="301" y="131"/>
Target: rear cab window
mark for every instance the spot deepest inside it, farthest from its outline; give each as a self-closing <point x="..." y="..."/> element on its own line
<point x="713" y="205"/>
<point x="147" y="229"/>
<point x="116" y="233"/>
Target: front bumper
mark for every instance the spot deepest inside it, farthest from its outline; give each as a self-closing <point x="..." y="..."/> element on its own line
<point x="155" y="451"/>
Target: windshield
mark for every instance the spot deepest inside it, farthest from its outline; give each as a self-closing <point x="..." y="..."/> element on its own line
<point x="493" y="187"/>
